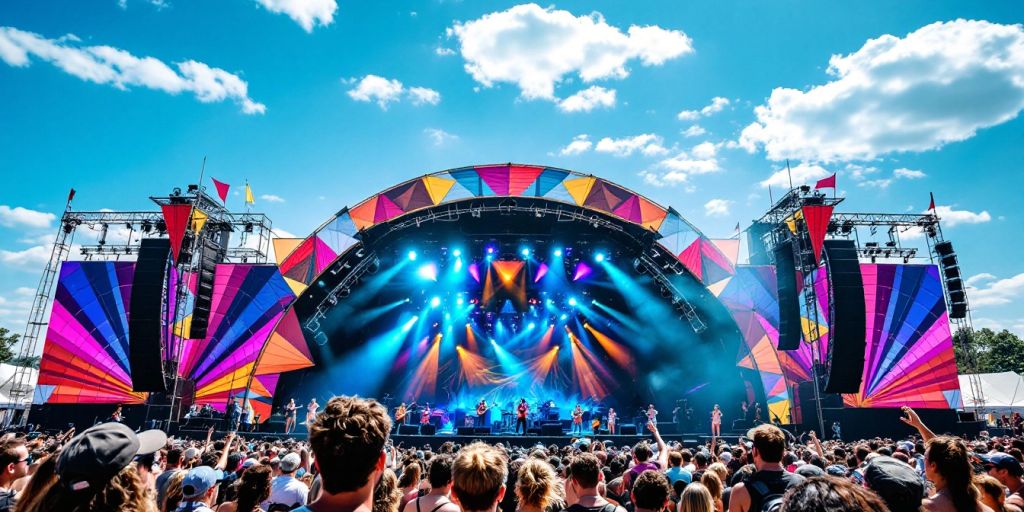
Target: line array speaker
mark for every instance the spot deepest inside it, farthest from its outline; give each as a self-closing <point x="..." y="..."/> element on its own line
<point x="847" y="315"/>
<point x="789" y="300"/>
<point x="145" y="340"/>
<point x="208" y="258"/>
<point x="954" y="282"/>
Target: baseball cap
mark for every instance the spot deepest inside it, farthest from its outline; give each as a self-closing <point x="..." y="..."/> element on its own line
<point x="191" y="453"/>
<point x="290" y="462"/>
<point x="897" y="483"/>
<point x="248" y="463"/>
<point x="198" y="481"/>
<point x="100" y="452"/>
<point x="1003" y="461"/>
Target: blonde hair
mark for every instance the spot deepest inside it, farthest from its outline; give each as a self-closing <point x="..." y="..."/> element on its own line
<point x="173" y="494"/>
<point x="991" y="487"/>
<point x="713" y="484"/>
<point x="124" y="491"/>
<point x="696" y="498"/>
<point x="387" y="494"/>
<point x="537" y="484"/>
<point x="719" y="469"/>
<point x="478" y="474"/>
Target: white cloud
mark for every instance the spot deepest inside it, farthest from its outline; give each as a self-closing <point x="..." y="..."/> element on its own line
<point x="108" y="65"/>
<point x="159" y="4"/>
<point x="718" y="103"/>
<point x="439" y="136"/>
<point x="694" y="131"/>
<point x="535" y="48"/>
<point x="802" y="174"/>
<point x="444" y="52"/>
<point x="580" y="144"/>
<point x="879" y="183"/>
<point x="32" y="259"/>
<point x="23" y="217"/>
<point x="909" y="174"/>
<point x="987" y="290"/>
<point x="307" y="13"/>
<point x="717" y="208"/>
<point x="675" y="170"/>
<point x="950" y="217"/>
<point x="384" y="91"/>
<point x="647" y="143"/>
<point x="588" y="99"/>
<point x="271" y="198"/>
<point x="939" y="84"/>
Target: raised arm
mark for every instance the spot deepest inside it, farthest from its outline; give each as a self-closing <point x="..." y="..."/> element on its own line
<point x="817" y="445"/>
<point x="914" y="420"/>
<point x="662" y="447"/>
<point x="223" y="460"/>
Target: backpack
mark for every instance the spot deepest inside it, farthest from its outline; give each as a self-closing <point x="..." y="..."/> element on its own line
<point x="770" y="502"/>
<point x="8" y="499"/>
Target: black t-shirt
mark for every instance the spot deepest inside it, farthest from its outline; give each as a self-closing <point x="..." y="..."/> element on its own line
<point x="607" y="507"/>
<point x="776" y="481"/>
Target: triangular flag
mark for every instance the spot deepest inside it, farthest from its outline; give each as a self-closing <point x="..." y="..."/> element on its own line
<point x="71" y="195"/>
<point x="176" y="217"/>
<point x="222" y="190"/>
<point x="829" y="182"/>
<point x="816" y="218"/>
<point x="198" y="220"/>
<point x="931" y="205"/>
<point x="248" y="194"/>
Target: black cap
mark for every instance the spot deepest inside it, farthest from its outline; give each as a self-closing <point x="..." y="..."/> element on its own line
<point x="102" y="451"/>
<point x="897" y="483"/>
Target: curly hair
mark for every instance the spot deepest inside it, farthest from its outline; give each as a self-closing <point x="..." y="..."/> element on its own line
<point x="387" y="494"/>
<point x="537" y="484"/>
<point x="253" y="488"/>
<point x="834" y="494"/>
<point x="949" y="454"/>
<point x="173" y="494"/>
<point x="122" y="492"/>
<point x="348" y="439"/>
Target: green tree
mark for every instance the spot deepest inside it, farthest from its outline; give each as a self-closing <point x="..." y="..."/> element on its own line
<point x="992" y="351"/>
<point x="7" y="343"/>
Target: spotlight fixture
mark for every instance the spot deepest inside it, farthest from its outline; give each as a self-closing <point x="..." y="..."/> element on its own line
<point x="456" y="253"/>
<point x="525" y="252"/>
<point x="599" y="257"/>
<point x="435" y="302"/>
<point x="412" y="255"/>
<point x="572" y="301"/>
<point x="558" y="253"/>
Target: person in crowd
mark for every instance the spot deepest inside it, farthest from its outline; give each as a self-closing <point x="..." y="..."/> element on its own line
<point x="14" y="462"/>
<point x="770" y="479"/>
<point x="583" y="485"/>
<point x="387" y="495"/>
<point x="713" y="484"/>
<point x="253" y="489"/>
<point x="899" y="486"/>
<point x="35" y="488"/>
<point x="94" y="472"/>
<point x="173" y="495"/>
<point x="409" y="483"/>
<point x="992" y="493"/>
<point x="172" y="465"/>
<point x="199" y="490"/>
<point x="675" y="470"/>
<point x="1008" y="470"/>
<point x="831" y="494"/>
<point x="641" y="458"/>
<point x="478" y="478"/>
<point x="537" y="486"/>
<point x="439" y="475"/>
<point x="286" y="491"/>
<point x="696" y="498"/>
<point x="348" y="440"/>
<point x="650" y="492"/>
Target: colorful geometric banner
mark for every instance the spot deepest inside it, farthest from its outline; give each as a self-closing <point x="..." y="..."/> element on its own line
<point x="817" y="218"/>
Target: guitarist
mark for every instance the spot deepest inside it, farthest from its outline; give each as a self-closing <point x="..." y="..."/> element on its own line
<point x="481" y="413"/>
<point x="521" y="411"/>
<point x="577" y="419"/>
<point x="401" y="413"/>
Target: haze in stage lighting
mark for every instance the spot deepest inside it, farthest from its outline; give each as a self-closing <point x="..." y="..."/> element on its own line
<point x="572" y="301"/>
<point x="456" y="253"/>
<point x="428" y="271"/>
<point x="563" y="317"/>
<point x="408" y="325"/>
<point x="460" y="301"/>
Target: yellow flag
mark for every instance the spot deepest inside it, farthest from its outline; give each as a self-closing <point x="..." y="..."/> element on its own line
<point x="198" y="220"/>
<point x="248" y="195"/>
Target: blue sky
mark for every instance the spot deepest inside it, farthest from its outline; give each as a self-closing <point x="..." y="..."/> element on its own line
<point x="321" y="103"/>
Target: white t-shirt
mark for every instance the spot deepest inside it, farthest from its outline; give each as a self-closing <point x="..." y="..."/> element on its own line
<point x="287" y="490"/>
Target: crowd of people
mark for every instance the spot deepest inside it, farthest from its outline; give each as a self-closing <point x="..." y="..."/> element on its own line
<point x="349" y="464"/>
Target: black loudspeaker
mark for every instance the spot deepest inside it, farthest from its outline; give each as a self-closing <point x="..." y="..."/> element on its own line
<point x="482" y="431"/>
<point x="428" y="429"/>
<point x="954" y="283"/>
<point x="789" y="300"/>
<point x="551" y="429"/>
<point x="847" y="313"/>
<point x="628" y="430"/>
<point x="464" y="431"/>
<point x="966" y="416"/>
<point x="408" y="430"/>
<point x="145" y="340"/>
<point x="208" y="258"/>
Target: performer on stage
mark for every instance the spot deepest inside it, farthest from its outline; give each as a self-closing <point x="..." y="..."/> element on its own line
<point x="716" y="422"/>
<point x="757" y="414"/>
<point x="652" y="414"/>
<point x="481" y="413"/>
<point x="521" y="411"/>
<point x="234" y="414"/>
<point x="116" y="415"/>
<point x="425" y="414"/>
<point x="291" y="412"/>
<point x="311" y="411"/>
<point x="837" y="433"/>
<point x="612" y="420"/>
<point x="577" y="419"/>
<point x="400" y="414"/>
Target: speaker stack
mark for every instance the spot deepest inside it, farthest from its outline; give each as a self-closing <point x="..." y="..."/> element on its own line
<point x="954" y="283"/>
<point x="145" y="344"/>
<point x="789" y="299"/>
<point x="208" y="258"/>
<point x="847" y="315"/>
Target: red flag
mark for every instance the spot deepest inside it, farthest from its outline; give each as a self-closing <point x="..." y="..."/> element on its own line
<point x="816" y="218"/>
<point x="222" y="190"/>
<point x="176" y="217"/>
<point x="931" y="205"/>
<point x="829" y="182"/>
<point x="71" y="195"/>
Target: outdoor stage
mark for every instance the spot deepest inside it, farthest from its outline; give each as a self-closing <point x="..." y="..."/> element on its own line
<point x="499" y="283"/>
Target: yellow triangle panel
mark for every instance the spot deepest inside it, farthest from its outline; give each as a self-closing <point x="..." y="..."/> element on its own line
<point x="579" y="188"/>
<point x="438" y="188"/>
<point x="284" y="246"/>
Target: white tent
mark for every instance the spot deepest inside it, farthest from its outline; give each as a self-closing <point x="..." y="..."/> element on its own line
<point x="998" y="393"/>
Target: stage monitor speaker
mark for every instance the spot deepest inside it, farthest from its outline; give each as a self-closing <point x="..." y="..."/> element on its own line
<point x="145" y="328"/>
<point x="482" y="431"/>
<point x="847" y="332"/>
<point x="428" y="429"/>
<point x="964" y="416"/>
<point x="789" y="300"/>
<point x="209" y="255"/>
<point x="465" y="431"/>
<point x="408" y="430"/>
<point x="551" y="429"/>
<point x="628" y="430"/>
